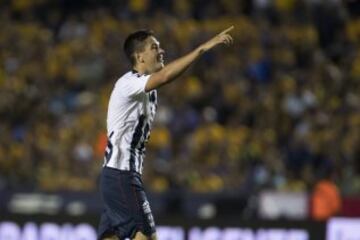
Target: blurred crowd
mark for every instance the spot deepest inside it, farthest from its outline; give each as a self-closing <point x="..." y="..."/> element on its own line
<point x="279" y="109"/>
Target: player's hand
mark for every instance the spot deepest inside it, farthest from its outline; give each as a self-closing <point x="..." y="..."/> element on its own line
<point x="222" y="38"/>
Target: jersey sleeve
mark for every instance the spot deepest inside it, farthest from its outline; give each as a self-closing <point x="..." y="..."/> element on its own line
<point x="136" y="85"/>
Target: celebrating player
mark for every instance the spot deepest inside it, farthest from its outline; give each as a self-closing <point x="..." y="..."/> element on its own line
<point x="131" y="111"/>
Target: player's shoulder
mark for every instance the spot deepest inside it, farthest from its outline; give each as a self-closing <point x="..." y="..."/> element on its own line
<point x="125" y="76"/>
<point x="129" y="77"/>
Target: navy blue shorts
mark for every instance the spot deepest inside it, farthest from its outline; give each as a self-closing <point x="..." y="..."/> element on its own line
<point x="126" y="209"/>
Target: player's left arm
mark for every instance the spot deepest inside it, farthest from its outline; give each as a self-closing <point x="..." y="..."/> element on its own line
<point x="178" y="66"/>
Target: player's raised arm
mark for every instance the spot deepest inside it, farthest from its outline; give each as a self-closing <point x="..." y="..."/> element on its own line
<point x="178" y="66"/>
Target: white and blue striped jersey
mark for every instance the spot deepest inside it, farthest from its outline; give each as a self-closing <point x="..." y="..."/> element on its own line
<point x="131" y="112"/>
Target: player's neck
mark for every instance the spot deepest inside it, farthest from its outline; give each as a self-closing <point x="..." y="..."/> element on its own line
<point x="140" y="70"/>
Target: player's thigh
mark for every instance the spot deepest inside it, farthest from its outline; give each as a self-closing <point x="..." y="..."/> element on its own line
<point x="153" y="236"/>
<point x="141" y="236"/>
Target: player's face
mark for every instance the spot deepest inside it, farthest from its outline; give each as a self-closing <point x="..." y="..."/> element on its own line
<point x="153" y="55"/>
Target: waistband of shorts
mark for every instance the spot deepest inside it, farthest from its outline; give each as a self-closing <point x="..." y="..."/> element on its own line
<point x="119" y="171"/>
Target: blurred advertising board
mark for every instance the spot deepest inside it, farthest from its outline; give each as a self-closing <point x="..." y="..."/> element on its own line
<point x="275" y="205"/>
<point x="343" y="229"/>
<point x="84" y="228"/>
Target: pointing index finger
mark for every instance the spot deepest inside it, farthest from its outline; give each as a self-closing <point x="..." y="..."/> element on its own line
<point x="227" y="30"/>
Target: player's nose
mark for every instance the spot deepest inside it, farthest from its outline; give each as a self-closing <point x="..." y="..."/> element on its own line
<point x="161" y="51"/>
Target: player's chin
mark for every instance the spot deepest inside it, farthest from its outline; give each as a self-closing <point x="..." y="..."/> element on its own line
<point x="159" y="66"/>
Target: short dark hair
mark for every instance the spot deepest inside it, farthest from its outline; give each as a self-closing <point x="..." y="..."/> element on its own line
<point x="135" y="42"/>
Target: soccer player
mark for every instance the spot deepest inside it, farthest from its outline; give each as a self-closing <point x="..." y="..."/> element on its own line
<point x="131" y="111"/>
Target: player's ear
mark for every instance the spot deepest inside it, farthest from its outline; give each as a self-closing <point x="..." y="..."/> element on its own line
<point x="139" y="57"/>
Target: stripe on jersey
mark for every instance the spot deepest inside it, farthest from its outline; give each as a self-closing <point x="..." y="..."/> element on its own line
<point x="135" y="141"/>
<point x="108" y="149"/>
